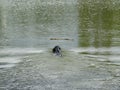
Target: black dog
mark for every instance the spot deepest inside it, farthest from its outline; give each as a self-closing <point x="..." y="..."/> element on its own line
<point x="57" y="51"/>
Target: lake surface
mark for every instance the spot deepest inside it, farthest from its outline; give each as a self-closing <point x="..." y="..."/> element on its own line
<point x="88" y="32"/>
<point x="71" y="24"/>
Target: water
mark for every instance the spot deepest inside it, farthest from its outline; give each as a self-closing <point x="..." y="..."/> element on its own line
<point x="88" y="32"/>
<point x="70" y="24"/>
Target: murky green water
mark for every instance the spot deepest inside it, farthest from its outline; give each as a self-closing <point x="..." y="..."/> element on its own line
<point x="33" y="23"/>
<point x="88" y="32"/>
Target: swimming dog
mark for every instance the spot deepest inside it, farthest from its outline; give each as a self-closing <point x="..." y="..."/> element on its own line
<point x="57" y="51"/>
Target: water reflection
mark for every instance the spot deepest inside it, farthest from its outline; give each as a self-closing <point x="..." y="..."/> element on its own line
<point x="37" y="22"/>
<point x="96" y="24"/>
<point x="2" y="26"/>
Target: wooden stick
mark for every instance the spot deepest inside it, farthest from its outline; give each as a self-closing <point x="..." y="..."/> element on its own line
<point x="60" y="39"/>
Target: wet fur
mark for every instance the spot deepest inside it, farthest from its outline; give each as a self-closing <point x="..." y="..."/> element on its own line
<point x="57" y="51"/>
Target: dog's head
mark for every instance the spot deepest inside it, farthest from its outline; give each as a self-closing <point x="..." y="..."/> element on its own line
<point x="57" y="51"/>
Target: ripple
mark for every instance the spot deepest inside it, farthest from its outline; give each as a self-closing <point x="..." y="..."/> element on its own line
<point x="110" y="55"/>
<point x="9" y="57"/>
<point x="7" y="66"/>
<point x="7" y="62"/>
<point x="92" y="50"/>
